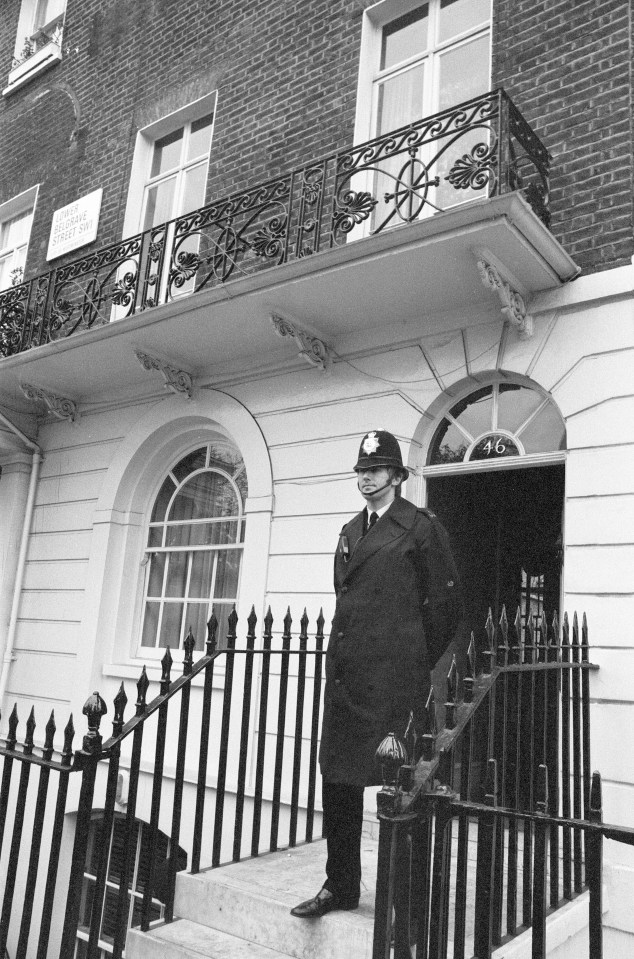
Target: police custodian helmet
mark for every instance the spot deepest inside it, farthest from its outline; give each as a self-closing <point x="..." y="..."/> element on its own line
<point x="380" y="448"/>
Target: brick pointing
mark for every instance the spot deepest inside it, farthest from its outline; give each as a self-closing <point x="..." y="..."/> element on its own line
<point x="567" y="65"/>
<point x="286" y="75"/>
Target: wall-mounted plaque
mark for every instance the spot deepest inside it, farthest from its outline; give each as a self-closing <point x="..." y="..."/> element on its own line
<point x="74" y="225"/>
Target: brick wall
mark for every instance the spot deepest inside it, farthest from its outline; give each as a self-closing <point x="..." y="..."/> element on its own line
<point x="566" y="63"/>
<point x="286" y="75"/>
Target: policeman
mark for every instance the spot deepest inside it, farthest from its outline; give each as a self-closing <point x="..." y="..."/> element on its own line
<point x="377" y="663"/>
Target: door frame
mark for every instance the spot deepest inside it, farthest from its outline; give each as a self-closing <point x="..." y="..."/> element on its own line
<point x="529" y="461"/>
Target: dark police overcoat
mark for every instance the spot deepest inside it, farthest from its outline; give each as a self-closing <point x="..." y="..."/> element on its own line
<point x="377" y="666"/>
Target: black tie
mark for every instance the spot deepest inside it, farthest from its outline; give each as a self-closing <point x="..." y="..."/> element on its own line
<point x="373" y="519"/>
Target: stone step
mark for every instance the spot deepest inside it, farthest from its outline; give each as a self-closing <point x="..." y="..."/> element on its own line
<point x="184" y="939"/>
<point x="255" y="897"/>
<point x="242" y="910"/>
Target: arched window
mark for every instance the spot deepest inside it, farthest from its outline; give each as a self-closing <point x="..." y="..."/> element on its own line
<point x="496" y="421"/>
<point x="194" y="546"/>
<point x="136" y="882"/>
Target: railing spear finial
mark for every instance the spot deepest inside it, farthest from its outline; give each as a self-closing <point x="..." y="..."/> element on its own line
<point x="489" y="653"/>
<point x="430" y="728"/>
<point x="188" y="646"/>
<point x="94" y="708"/>
<point x="142" y="688"/>
<point x="452" y="695"/>
<point x="49" y="737"/>
<point x="470" y="677"/>
<point x="503" y="646"/>
<point x="212" y="630"/>
<point x="120" y="702"/>
<point x="12" y="735"/>
<point x="166" y="671"/>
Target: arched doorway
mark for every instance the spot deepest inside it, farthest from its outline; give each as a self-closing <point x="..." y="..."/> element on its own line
<point x="495" y="475"/>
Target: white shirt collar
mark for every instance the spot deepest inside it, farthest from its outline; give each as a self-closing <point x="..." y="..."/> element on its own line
<point x="379" y="512"/>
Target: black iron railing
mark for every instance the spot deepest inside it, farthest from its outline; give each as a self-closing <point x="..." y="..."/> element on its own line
<point x="506" y="786"/>
<point x="280" y="682"/>
<point x="478" y="149"/>
<point x="499" y="774"/>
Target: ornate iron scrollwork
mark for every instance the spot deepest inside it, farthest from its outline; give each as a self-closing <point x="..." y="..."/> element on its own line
<point x="475" y="170"/>
<point x="352" y="208"/>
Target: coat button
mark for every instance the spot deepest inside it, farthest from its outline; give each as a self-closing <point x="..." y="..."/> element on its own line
<point x="339" y="635"/>
<point x="337" y="682"/>
<point x="344" y="589"/>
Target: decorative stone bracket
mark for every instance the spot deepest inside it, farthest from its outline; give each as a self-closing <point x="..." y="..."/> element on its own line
<point x="311" y="349"/>
<point x="178" y="381"/>
<point x="513" y="306"/>
<point x="59" y="406"/>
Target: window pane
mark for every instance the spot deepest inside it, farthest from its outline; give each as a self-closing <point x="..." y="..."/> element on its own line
<point x="137" y="911"/>
<point x="194" y="187"/>
<point x="200" y="137"/>
<point x="165" y="494"/>
<point x="171" y="625"/>
<point x="16" y="230"/>
<point x="545" y="432"/>
<point x="119" y="848"/>
<point x="46" y="11"/>
<point x="202" y="571"/>
<point x="150" y="624"/>
<point x="449" y="446"/>
<point x="400" y="100"/>
<point x="159" y="204"/>
<point x="176" y="575"/>
<point x="475" y="412"/>
<point x="167" y="153"/>
<point x="222" y="611"/>
<point x="404" y="37"/>
<point x="196" y="616"/>
<point x="193" y="461"/>
<point x="6" y="265"/>
<point x="205" y="495"/>
<point x="109" y="919"/>
<point x="157" y="570"/>
<point x="464" y="72"/>
<point x="457" y="16"/>
<point x="87" y="896"/>
<point x="202" y="534"/>
<point x="515" y="405"/>
<point x="155" y="536"/>
<point x="227" y="574"/>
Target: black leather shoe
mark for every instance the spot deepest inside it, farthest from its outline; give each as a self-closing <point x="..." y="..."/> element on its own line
<point x="324" y="902"/>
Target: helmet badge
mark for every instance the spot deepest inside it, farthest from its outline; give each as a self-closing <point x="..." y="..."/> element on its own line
<point x="370" y="443"/>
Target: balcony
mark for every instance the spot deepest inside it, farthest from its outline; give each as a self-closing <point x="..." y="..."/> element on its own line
<point x="390" y="228"/>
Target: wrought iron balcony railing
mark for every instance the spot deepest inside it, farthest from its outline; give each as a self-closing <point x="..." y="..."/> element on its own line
<point x="478" y="149"/>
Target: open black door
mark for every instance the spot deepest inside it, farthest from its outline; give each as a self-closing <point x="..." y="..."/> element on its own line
<point x="506" y="531"/>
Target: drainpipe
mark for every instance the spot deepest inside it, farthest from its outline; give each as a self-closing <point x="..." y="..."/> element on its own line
<point x="24" y="542"/>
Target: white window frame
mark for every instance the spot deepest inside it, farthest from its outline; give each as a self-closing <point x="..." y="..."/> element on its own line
<point x="140" y="178"/>
<point x="17" y="205"/>
<point x="374" y="19"/>
<point x="46" y="53"/>
<point x="222" y="606"/>
<point x="143" y="152"/>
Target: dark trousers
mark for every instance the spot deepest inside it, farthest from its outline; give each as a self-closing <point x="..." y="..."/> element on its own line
<point x="343" y="819"/>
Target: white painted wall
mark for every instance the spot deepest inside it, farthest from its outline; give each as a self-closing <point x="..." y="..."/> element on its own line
<point x="299" y="432"/>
